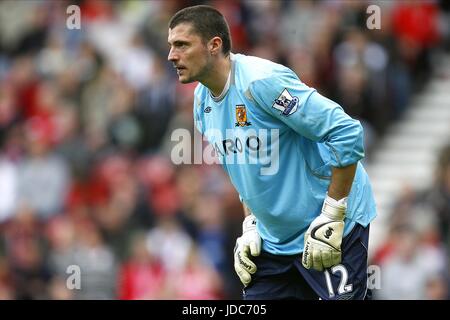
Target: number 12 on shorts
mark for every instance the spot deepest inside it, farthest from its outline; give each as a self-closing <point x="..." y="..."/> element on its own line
<point x="343" y="286"/>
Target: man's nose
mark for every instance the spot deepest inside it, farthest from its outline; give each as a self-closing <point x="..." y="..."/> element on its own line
<point x="172" y="56"/>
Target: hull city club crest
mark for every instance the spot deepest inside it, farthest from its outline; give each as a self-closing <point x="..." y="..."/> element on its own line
<point x="241" y="116"/>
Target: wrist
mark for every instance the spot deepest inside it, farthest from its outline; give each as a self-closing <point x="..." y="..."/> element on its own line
<point x="334" y="209"/>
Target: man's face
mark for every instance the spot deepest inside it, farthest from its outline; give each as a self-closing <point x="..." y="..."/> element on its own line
<point x="188" y="53"/>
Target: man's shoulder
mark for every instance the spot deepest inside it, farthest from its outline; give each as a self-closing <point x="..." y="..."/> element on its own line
<point x="251" y="69"/>
<point x="255" y="63"/>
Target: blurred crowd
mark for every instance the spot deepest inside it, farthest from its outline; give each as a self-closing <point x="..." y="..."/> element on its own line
<point x="86" y="117"/>
<point x="414" y="258"/>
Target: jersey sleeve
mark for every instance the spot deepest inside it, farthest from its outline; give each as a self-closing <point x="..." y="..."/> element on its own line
<point x="283" y="96"/>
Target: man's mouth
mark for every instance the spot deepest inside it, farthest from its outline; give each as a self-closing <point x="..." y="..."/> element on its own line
<point x="179" y="69"/>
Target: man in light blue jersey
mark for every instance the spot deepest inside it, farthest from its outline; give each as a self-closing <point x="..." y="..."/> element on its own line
<point x="292" y="155"/>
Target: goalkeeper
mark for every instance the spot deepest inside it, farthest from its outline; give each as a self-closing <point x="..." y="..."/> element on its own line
<point x="305" y="234"/>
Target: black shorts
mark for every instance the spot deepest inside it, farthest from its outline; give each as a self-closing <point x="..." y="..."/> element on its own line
<point x="284" y="277"/>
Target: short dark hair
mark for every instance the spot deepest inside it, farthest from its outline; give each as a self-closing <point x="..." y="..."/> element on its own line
<point x="206" y="22"/>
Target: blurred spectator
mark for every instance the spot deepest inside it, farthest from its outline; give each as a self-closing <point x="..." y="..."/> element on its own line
<point x="24" y="246"/>
<point x="301" y="19"/>
<point x="61" y="239"/>
<point x="8" y="188"/>
<point x="136" y="64"/>
<point x="155" y="105"/>
<point x="437" y="287"/>
<point x="211" y="234"/>
<point x="142" y="276"/>
<point x="361" y="77"/>
<point x="58" y="289"/>
<point x="97" y="262"/>
<point x="7" y="291"/>
<point x="415" y="25"/>
<point x="407" y="270"/>
<point x="71" y="145"/>
<point x="196" y="280"/>
<point x="43" y="177"/>
<point x="169" y="243"/>
<point x="439" y="196"/>
<point x="53" y="59"/>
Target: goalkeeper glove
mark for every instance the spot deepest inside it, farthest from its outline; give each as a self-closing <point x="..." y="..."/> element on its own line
<point x="248" y="243"/>
<point x="324" y="236"/>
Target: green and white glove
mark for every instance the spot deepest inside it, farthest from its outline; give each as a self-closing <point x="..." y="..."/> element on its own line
<point x="324" y="236"/>
<point x="247" y="244"/>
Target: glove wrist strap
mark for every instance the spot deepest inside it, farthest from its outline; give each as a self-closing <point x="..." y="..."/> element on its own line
<point x="333" y="209"/>
<point x="249" y="223"/>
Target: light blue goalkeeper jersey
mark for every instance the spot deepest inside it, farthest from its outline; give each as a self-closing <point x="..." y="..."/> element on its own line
<point x="278" y="139"/>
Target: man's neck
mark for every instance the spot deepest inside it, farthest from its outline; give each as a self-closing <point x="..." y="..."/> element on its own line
<point x="218" y="76"/>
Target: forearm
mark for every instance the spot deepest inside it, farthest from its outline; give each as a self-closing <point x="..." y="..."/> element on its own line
<point x="323" y="239"/>
<point x="247" y="211"/>
<point x="341" y="181"/>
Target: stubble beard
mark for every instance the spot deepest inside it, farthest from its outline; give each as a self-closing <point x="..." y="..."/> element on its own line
<point x="203" y="73"/>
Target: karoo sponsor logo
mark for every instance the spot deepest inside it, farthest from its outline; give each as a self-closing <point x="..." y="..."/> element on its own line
<point x="254" y="147"/>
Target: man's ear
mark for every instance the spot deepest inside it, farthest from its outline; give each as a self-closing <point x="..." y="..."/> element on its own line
<point x="215" y="46"/>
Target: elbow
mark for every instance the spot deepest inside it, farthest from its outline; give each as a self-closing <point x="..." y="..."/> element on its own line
<point x="347" y="146"/>
<point x="358" y="147"/>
